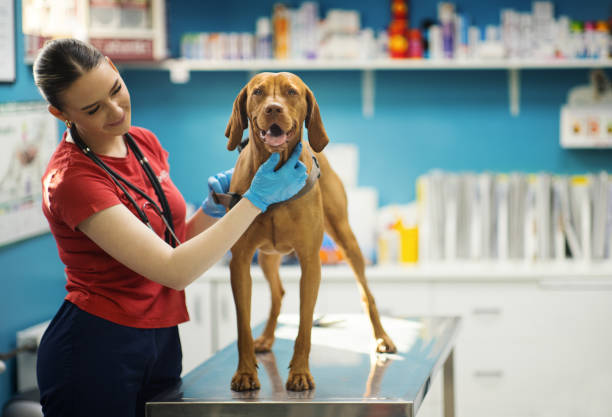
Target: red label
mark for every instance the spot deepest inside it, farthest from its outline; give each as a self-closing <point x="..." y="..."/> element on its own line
<point x="125" y="49"/>
<point x="104" y="3"/>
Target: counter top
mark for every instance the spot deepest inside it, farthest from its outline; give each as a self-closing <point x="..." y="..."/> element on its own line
<point x="350" y="378"/>
<point x="586" y="273"/>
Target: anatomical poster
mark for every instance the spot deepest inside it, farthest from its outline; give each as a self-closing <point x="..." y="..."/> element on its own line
<point x="28" y="137"/>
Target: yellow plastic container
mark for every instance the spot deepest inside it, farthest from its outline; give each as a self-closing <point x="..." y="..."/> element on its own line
<point x="409" y="243"/>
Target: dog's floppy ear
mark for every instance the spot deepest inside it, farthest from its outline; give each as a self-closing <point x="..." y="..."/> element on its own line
<point x="316" y="132"/>
<point x="238" y="120"/>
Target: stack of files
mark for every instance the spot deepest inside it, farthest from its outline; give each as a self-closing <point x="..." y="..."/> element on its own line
<point x="516" y="216"/>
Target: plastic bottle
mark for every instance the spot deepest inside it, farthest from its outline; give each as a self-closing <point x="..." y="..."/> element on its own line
<point x="408" y="242"/>
<point x="310" y="15"/>
<point x="398" y="45"/>
<point x="280" y="20"/>
<point x="589" y="40"/>
<point x="473" y="42"/>
<point x="233" y="46"/>
<point x="578" y="49"/>
<point x="246" y="46"/>
<point x="263" y="39"/>
<point x="435" y="42"/>
<point x="602" y="40"/>
<point x="446" y="12"/>
<point x="415" y="44"/>
<point x="388" y="249"/>
<point x="382" y="44"/>
<point x="398" y="30"/>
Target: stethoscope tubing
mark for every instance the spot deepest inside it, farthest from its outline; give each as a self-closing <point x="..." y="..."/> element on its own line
<point x="118" y="179"/>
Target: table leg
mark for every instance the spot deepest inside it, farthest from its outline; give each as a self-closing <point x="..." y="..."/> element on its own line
<point x="449" y="386"/>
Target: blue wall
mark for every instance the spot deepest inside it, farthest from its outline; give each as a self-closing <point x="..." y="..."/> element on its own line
<point x="454" y="120"/>
<point x="31" y="275"/>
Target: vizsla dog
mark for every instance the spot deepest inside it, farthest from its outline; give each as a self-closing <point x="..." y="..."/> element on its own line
<point x="275" y="107"/>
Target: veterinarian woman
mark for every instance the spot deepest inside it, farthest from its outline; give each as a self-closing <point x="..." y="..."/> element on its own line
<point x="114" y="342"/>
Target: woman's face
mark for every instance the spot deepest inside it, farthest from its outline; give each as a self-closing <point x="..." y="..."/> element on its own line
<point x="98" y="102"/>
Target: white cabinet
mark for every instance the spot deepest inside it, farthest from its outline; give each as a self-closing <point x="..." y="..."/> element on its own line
<point x="126" y="31"/>
<point x="524" y="350"/>
<point x="495" y="332"/>
<point x="196" y="333"/>
<point x="573" y="363"/>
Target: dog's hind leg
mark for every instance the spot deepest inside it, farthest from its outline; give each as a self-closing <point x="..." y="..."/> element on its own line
<point x="245" y="377"/>
<point x="269" y="264"/>
<point x="340" y="230"/>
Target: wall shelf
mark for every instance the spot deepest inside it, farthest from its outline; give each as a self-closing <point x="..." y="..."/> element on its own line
<point x="180" y="70"/>
<point x="378" y="64"/>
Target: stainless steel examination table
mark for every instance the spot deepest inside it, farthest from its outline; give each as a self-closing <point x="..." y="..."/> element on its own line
<point x="350" y="379"/>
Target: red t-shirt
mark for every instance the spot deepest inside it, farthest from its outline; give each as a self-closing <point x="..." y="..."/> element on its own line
<point x="74" y="188"/>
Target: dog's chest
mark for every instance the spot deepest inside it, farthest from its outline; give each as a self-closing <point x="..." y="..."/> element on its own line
<point x="288" y="226"/>
<point x="275" y="235"/>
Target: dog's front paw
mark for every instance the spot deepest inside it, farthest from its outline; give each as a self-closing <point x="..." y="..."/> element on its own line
<point x="245" y="381"/>
<point x="385" y="345"/>
<point x="300" y="381"/>
<point x="263" y="344"/>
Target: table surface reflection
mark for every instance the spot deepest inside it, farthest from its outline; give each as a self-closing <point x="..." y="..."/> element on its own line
<point x="350" y="378"/>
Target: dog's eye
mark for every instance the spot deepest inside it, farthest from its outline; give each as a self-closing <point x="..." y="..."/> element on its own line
<point x="292" y="92"/>
<point x="257" y="92"/>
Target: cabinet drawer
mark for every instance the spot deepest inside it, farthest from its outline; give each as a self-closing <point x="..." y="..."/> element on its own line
<point x="494" y="315"/>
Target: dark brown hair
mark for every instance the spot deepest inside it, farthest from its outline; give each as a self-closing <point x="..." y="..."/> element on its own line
<point x="60" y="63"/>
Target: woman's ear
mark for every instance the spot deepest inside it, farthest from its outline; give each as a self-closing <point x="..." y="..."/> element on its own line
<point x="57" y="113"/>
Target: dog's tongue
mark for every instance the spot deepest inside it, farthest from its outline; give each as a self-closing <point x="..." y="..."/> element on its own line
<point x="275" y="136"/>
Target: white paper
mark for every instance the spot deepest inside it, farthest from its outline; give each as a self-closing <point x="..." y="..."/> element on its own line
<point x="28" y="136"/>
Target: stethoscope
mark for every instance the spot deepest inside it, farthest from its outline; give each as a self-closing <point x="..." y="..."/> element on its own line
<point x="164" y="212"/>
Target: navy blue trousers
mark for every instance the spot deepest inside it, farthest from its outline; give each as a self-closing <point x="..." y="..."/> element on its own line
<point x="88" y="366"/>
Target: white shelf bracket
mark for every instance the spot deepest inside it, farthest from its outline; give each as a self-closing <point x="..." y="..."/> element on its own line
<point x="514" y="91"/>
<point x="368" y="87"/>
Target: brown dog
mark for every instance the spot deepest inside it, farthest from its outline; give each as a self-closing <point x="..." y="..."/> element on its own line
<point x="275" y="107"/>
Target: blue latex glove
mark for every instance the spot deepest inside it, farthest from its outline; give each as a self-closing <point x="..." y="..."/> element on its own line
<point x="269" y="186"/>
<point x="219" y="183"/>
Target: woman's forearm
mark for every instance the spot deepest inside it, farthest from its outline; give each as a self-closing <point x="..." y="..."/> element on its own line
<point x="191" y="259"/>
<point x="197" y="223"/>
<point x="124" y="237"/>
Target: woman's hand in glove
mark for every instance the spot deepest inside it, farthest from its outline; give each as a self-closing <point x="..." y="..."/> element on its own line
<point x="220" y="184"/>
<point x="269" y="186"/>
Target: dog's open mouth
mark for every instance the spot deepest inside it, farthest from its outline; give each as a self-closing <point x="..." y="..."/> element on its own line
<point x="274" y="136"/>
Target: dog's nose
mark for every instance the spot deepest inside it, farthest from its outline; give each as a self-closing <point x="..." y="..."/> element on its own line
<point x="274" y="108"/>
